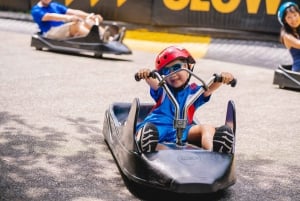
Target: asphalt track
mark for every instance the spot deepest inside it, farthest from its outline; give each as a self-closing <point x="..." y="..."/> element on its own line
<point x="52" y="110"/>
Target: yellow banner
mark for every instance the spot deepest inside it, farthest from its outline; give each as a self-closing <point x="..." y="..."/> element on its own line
<point x="68" y="2"/>
<point x="120" y="2"/>
<point x="93" y="2"/>
<point x="222" y="6"/>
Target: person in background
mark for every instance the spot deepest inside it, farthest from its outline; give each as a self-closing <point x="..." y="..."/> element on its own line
<point x="57" y="21"/>
<point x="289" y="17"/>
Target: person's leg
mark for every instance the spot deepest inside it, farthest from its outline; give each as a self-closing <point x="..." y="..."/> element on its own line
<point x="202" y="135"/>
<point x="84" y="28"/>
<point x="92" y="20"/>
<point x="78" y="29"/>
<point x="59" y="32"/>
<point x="67" y="30"/>
<point x="121" y="34"/>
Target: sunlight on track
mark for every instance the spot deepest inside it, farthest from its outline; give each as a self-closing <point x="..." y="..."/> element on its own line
<point x="156" y="41"/>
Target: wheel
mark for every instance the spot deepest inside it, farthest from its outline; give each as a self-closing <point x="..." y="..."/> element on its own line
<point x="39" y="48"/>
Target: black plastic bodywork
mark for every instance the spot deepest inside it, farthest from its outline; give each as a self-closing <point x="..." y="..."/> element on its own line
<point x="285" y="78"/>
<point x="90" y="43"/>
<point x="180" y="169"/>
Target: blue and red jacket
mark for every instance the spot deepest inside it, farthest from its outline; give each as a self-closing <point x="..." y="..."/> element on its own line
<point x="163" y="112"/>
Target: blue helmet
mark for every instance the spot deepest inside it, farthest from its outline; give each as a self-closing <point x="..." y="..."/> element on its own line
<point x="282" y="9"/>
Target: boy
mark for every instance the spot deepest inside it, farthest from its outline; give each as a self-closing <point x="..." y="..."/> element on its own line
<point x="158" y="125"/>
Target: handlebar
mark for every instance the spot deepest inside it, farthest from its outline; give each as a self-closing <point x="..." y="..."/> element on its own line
<point x="218" y="78"/>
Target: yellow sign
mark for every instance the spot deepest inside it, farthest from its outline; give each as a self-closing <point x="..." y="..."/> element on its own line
<point x="94" y="2"/>
<point x="222" y="6"/>
<point x="120" y="2"/>
<point x="68" y="2"/>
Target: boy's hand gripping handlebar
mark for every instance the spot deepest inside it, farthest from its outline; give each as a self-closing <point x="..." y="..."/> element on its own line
<point x="219" y="78"/>
<point x="137" y="78"/>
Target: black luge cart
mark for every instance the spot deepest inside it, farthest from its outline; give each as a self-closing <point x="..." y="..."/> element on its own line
<point x="92" y="43"/>
<point x="180" y="168"/>
<point x="284" y="77"/>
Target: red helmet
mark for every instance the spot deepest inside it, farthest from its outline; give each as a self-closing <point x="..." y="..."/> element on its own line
<point x="170" y="54"/>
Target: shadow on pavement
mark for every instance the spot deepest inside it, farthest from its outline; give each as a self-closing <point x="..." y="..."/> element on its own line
<point x="31" y="170"/>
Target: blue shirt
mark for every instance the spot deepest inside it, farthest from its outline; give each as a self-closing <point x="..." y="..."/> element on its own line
<point x="162" y="114"/>
<point x="296" y="59"/>
<point x="38" y="13"/>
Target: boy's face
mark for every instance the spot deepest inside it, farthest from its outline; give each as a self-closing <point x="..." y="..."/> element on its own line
<point x="177" y="79"/>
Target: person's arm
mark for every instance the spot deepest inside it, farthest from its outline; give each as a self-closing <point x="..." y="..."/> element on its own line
<point x="291" y="41"/>
<point x="78" y="13"/>
<point x="153" y="83"/>
<point x="212" y="88"/>
<point x="226" y="79"/>
<point x="83" y="15"/>
<point x="59" y="17"/>
<point x="144" y="74"/>
<point x="71" y="15"/>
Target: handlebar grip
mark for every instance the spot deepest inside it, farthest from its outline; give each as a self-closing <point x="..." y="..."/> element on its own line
<point x="232" y="83"/>
<point x="137" y="78"/>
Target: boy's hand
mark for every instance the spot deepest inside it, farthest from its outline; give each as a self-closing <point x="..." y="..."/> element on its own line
<point x="144" y="73"/>
<point x="226" y="77"/>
